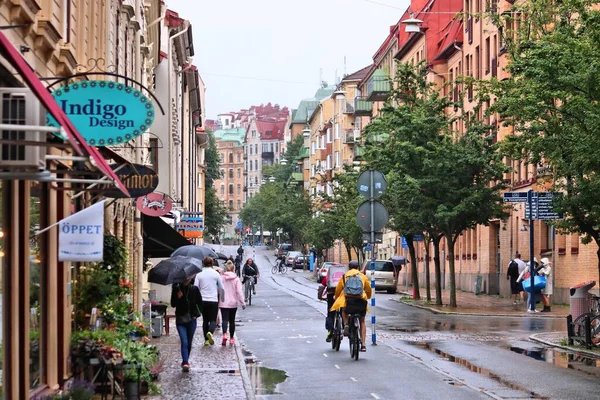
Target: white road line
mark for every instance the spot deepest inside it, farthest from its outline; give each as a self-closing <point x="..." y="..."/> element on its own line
<point x="375" y="396"/>
<point x="325" y="355"/>
<point x="337" y="366"/>
<point x="308" y="341"/>
<point x="354" y="379"/>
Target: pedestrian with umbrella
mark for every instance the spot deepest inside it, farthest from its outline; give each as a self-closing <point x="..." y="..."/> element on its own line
<point x="185" y="297"/>
<point x="197" y="252"/>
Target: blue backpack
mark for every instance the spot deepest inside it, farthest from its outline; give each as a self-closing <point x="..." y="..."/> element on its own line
<point x="353" y="286"/>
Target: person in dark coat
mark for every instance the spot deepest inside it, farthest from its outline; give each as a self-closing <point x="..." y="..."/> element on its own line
<point x="186" y="299"/>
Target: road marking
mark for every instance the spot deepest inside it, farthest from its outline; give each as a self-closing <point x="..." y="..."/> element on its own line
<point x="325" y="355"/>
<point x="375" y="396"/>
<point x="354" y="379"/>
<point x="337" y="366"/>
<point x="308" y="341"/>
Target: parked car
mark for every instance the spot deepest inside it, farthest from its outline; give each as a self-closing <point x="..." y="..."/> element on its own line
<point x="386" y="275"/>
<point x="322" y="270"/>
<point x="290" y="258"/>
<point x="284" y="248"/>
<point x="300" y="260"/>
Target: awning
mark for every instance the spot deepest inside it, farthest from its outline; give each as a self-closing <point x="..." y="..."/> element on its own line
<point x="160" y="240"/>
<point x="10" y="53"/>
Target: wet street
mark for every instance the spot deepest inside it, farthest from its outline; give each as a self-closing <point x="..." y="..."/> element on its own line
<point x="419" y="354"/>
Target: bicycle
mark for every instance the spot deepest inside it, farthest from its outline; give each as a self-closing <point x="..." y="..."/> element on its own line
<point x="594" y="316"/>
<point x="248" y="289"/>
<point x="337" y="332"/>
<point x="279" y="266"/>
<point x="354" y="335"/>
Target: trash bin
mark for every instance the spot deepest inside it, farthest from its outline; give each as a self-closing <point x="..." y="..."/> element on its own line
<point x="579" y="301"/>
<point x="157" y="324"/>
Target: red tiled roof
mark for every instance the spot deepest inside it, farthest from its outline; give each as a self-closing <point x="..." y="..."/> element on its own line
<point x="270" y="129"/>
<point x="453" y="35"/>
<point x="358" y="75"/>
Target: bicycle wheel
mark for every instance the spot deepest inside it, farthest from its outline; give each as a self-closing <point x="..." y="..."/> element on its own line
<point x="274" y="270"/>
<point x="337" y="333"/>
<point x="284" y="269"/>
<point x="247" y="293"/>
<point x="250" y="288"/>
<point x="356" y="338"/>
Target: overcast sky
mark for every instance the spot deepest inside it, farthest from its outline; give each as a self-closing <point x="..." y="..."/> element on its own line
<point x="250" y="52"/>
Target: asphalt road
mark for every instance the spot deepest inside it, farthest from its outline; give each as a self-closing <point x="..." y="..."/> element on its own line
<point x="419" y="355"/>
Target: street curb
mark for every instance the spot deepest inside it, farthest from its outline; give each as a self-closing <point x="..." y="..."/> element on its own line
<point x="535" y="338"/>
<point x="434" y="311"/>
<point x="243" y="371"/>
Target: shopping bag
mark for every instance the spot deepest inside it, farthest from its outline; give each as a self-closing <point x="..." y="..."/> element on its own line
<point x="539" y="283"/>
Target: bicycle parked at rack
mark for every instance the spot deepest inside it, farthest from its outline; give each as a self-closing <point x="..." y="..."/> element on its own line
<point x="594" y="316"/>
<point x="354" y="335"/>
<point x="279" y="266"/>
<point x="249" y="288"/>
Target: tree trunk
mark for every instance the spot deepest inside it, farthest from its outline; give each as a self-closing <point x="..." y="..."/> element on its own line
<point x="413" y="268"/>
<point x="452" y="280"/>
<point x="348" y="251"/>
<point x="438" y="270"/>
<point x="427" y="279"/>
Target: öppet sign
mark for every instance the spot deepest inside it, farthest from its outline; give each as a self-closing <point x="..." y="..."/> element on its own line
<point x="106" y="113"/>
<point x="154" y="204"/>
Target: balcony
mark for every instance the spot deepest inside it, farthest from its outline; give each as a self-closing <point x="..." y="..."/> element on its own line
<point x="268" y="155"/>
<point x="349" y="137"/>
<point x="379" y="86"/>
<point x="362" y="107"/>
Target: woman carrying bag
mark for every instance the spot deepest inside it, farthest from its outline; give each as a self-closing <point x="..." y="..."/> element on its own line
<point x="228" y="303"/>
<point x="186" y="299"/>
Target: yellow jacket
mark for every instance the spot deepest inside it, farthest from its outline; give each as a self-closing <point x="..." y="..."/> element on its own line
<point x="340" y="298"/>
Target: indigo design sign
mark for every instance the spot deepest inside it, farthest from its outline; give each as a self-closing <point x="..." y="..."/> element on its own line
<point x="106" y="113"/>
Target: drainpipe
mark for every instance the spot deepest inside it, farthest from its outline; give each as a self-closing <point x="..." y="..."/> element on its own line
<point x="137" y="221"/>
<point x="169" y="91"/>
<point x="157" y="20"/>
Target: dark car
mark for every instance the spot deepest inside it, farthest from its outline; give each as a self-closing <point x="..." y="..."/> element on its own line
<point x="301" y="260"/>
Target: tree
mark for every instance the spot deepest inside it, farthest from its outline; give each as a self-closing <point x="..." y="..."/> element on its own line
<point x="320" y="232"/>
<point x="552" y="100"/>
<point x="215" y="215"/>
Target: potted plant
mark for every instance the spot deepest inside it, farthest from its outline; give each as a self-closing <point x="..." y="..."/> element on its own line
<point x="138" y="358"/>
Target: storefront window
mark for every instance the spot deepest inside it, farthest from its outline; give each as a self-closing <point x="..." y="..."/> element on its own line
<point x="34" y="296"/>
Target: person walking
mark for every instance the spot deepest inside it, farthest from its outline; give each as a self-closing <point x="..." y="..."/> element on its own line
<point x="521" y="267"/>
<point x="187" y="301"/>
<point x="238" y="265"/>
<point x="512" y="274"/>
<point x="229" y="303"/>
<point x="545" y="269"/>
<point x="211" y="287"/>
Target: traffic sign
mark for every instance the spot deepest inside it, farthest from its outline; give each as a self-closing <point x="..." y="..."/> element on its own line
<point x="366" y="236"/>
<point x="516" y="197"/>
<point x="542" y="207"/>
<point x="364" y="184"/>
<point x="380" y="213"/>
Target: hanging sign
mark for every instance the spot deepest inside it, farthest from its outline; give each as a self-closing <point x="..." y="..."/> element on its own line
<point x="81" y="235"/>
<point x="106" y="113"/>
<point x="154" y="204"/>
<point x="190" y="227"/>
<point x="138" y="179"/>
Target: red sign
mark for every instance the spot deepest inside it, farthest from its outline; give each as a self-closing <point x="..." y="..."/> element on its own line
<point x="154" y="204"/>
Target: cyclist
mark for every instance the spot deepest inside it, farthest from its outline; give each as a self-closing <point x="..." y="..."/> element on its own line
<point x="281" y="260"/>
<point x="250" y="269"/>
<point x="355" y="303"/>
<point x="330" y="282"/>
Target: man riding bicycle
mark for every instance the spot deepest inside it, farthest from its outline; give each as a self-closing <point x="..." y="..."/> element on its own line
<point x="250" y="270"/>
<point x="352" y="282"/>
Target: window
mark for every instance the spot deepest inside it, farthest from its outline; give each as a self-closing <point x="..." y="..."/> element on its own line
<point x="253" y="133"/>
<point x="313" y="148"/>
<point x="337" y="159"/>
<point x="337" y="130"/>
<point x="230" y="158"/>
<point x="230" y="173"/>
<point x="239" y="158"/>
<point x="230" y="205"/>
<point x="256" y="148"/>
<point x="239" y="173"/>
<point x="276" y="147"/>
<point x="256" y="165"/>
<point x="239" y="189"/>
<point x="222" y="189"/>
<point x="153" y="153"/>
<point x="265" y="147"/>
<point x="199" y="181"/>
<point x="222" y="174"/>
<point x="231" y="188"/>
<point x="329" y="135"/>
<point x="328" y="162"/>
<point x="239" y="204"/>
<point x="488" y="57"/>
<point x="222" y="157"/>
<point x="250" y="165"/>
<point x="250" y="149"/>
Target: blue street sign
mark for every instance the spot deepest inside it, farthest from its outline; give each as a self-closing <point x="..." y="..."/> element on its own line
<point x="418" y="238"/>
<point x="404" y="244"/>
<point x="516" y="197"/>
<point x="368" y="247"/>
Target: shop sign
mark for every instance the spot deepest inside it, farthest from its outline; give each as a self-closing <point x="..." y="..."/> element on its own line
<point x="190" y="227"/>
<point x="154" y="204"/>
<point x="138" y="179"/>
<point x="106" y="113"/>
<point x="81" y="235"/>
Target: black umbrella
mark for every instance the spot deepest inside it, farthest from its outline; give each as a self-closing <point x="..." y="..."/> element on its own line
<point x="197" y="252"/>
<point x="174" y="270"/>
<point x="222" y="256"/>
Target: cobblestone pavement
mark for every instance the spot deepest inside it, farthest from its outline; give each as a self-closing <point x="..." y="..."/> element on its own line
<point x="482" y="304"/>
<point x="216" y="372"/>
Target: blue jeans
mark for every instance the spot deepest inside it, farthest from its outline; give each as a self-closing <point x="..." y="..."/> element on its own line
<point x="186" y="334"/>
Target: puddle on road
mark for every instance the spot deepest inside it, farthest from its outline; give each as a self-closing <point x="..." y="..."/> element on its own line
<point x="581" y="363"/>
<point x="265" y="380"/>
<point x="475" y="368"/>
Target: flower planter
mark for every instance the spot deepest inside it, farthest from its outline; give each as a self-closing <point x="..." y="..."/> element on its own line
<point x="132" y="390"/>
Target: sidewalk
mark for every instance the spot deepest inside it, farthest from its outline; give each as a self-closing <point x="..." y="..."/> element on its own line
<point x="217" y="372"/>
<point x="482" y="304"/>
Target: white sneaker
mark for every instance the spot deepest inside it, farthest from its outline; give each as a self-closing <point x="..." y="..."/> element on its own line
<point x="532" y="311"/>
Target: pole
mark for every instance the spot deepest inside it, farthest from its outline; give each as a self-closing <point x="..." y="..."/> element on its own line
<point x="372" y="200"/>
<point x="531" y="295"/>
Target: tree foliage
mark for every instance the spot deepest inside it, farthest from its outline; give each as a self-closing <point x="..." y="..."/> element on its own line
<point x="552" y="100"/>
<point x="215" y="215"/>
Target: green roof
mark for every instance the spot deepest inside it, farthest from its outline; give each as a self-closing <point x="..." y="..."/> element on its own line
<point x="231" y="135"/>
<point x="307" y="106"/>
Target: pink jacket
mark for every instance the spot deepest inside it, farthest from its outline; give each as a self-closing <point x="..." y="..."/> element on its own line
<point x="233" y="291"/>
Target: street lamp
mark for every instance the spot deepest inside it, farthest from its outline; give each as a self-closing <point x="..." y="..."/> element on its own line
<point x="306" y="131"/>
<point x="283" y="161"/>
<point x="412" y="24"/>
<point x="272" y="179"/>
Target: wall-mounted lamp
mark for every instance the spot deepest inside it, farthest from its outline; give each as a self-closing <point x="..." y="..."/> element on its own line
<point x="523" y="228"/>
